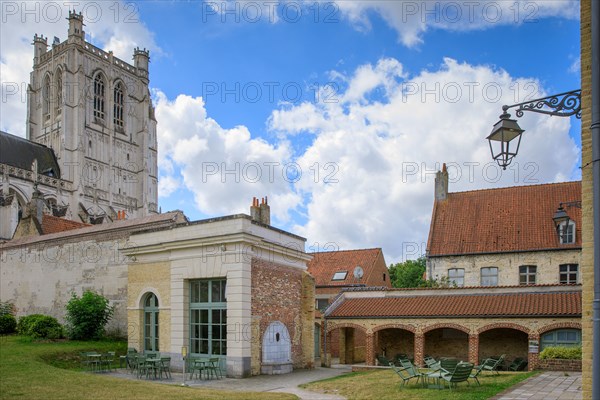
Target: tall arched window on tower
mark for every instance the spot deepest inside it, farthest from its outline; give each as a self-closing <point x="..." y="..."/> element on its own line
<point x="59" y="89"/>
<point x="99" y="86"/>
<point x="46" y="98"/>
<point x="119" y="99"/>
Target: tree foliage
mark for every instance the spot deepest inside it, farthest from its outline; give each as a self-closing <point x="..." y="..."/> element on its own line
<point x="408" y="274"/>
<point x="411" y="274"/>
<point x="88" y="315"/>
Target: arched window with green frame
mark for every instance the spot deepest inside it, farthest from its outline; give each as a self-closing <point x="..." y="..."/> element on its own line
<point x="151" y="323"/>
<point x="561" y="337"/>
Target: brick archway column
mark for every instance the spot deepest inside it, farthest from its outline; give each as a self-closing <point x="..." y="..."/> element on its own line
<point x="370" y="348"/>
<point x="474" y="348"/>
<point x="533" y="359"/>
<point x="419" y="348"/>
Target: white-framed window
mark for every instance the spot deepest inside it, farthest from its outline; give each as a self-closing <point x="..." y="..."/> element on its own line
<point x="567" y="232"/>
<point x="527" y="274"/>
<point x="568" y="273"/>
<point x="457" y="275"/>
<point x="489" y="276"/>
<point x="118" y="105"/>
<point x="339" y="276"/>
<point x="99" y="90"/>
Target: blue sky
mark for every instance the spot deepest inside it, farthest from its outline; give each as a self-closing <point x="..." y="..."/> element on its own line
<point x="365" y="98"/>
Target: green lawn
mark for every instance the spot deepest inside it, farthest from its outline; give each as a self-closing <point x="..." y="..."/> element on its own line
<point x="50" y="370"/>
<point x="385" y="384"/>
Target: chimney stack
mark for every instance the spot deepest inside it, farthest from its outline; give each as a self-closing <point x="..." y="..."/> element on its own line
<point x="261" y="212"/>
<point x="441" y="184"/>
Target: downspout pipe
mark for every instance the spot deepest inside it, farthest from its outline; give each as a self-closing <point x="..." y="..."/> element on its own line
<point x="595" y="132"/>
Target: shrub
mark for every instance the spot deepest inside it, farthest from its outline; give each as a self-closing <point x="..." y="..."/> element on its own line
<point x="46" y="327"/>
<point x="25" y="323"/>
<point x="87" y="316"/>
<point x="40" y="327"/>
<point x="560" y="352"/>
<point x="8" y="324"/>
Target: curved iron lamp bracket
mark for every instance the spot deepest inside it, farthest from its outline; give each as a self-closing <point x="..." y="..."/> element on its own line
<point x="561" y="105"/>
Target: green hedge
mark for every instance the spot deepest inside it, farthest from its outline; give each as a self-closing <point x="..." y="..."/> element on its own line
<point x="40" y="327"/>
<point x="560" y="352"/>
<point x="8" y="324"/>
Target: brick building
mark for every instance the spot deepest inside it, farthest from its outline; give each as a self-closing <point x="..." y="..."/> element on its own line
<point x="466" y="323"/>
<point x="517" y="278"/>
<point x="335" y="271"/>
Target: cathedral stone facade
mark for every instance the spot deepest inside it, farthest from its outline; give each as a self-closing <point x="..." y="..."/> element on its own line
<point x="94" y="112"/>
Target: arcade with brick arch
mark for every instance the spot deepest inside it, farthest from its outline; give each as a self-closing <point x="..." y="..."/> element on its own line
<point x="464" y="323"/>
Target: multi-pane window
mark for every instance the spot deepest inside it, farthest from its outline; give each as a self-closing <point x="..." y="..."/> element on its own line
<point x="489" y="276"/>
<point x="59" y="89"/>
<point x="527" y="274"/>
<point x="46" y="95"/>
<point x="561" y="337"/>
<point x="456" y="275"/>
<point x="151" y="323"/>
<point x="322" y="304"/>
<point x="118" y="105"/>
<point x="567" y="232"/>
<point x="208" y="319"/>
<point x="568" y="273"/>
<point x="99" y="89"/>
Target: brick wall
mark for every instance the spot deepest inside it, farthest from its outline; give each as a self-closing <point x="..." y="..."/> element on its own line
<point x="587" y="257"/>
<point x="277" y="295"/>
<point x="495" y="342"/>
<point x="560" y="365"/>
<point x="395" y="341"/>
<point x="447" y="343"/>
<point x="143" y="279"/>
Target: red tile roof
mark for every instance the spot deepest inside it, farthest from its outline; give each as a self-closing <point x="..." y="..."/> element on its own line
<point x="557" y="304"/>
<point x="52" y="224"/>
<point x="502" y="220"/>
<point x="325" y="264"/>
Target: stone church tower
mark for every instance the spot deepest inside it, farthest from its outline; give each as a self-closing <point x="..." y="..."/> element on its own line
<point x="94" y="110"/>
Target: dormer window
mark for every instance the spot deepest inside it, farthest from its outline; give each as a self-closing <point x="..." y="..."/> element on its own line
<point x="339" y="276"/>
<point x="566" y="232"/>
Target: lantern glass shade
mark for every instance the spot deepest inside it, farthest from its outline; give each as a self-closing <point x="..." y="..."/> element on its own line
<point x="560" y="217"/>
<point x="505" y="140"/>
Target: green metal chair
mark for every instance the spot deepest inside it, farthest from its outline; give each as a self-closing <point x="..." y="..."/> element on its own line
<point x="107" y="360"/>
<point x="491" y="364"/>
<point x="431" y="363"/>
<point x="461" y="373"/>
<point x="518" y="364"/>
<point x="197" y="366"/>
<point x="165" y="367"/>
<point x="141" y="366"/>
<point x="382" y="360"/>
<point x="212" y="367"/>
<point x="446" y="365"/>
<point x="408" y="371"/>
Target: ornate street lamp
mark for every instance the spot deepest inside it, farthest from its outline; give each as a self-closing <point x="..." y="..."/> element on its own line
<point x="506" y="134"/>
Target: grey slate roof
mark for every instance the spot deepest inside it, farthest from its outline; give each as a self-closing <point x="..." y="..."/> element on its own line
<point x="19" y="152"/>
